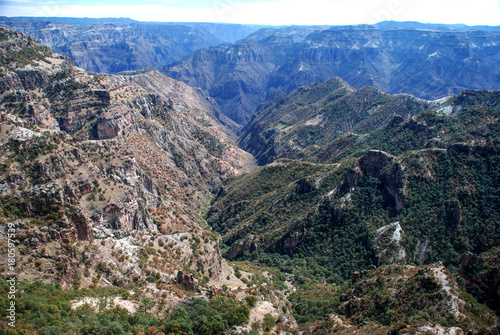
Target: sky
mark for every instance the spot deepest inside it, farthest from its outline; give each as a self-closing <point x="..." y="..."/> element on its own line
<point x="268" y="12"/>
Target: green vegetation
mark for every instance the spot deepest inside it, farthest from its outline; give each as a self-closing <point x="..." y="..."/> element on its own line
<point x="389" y="295"/>
<point x="46" y="309"/>
<point x="65" y="91"/>
<point x="25" y="55"/>
<point x="270" y="204"/>
<point x="478" y="275"/>
<point x="212" y="317"/>
<point x="25" y="152"/>
<point x="314" y="302"/>
<point x="251" y="300"/>
<point x="426" y="130"/>
<point x="318" y="222"/>
<point x="210" y="142"/>
<point x="273" y="202"/>
<point x="457" y="209"/>
<point x="248" y="197"/>
<point x="178" y="160"/>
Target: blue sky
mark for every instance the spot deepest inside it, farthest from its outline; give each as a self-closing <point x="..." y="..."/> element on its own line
<point x="274" y="12"/>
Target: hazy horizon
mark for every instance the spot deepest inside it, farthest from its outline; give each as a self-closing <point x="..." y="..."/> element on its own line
<point x="264" y="12"/>
<point x="250" y="24"/>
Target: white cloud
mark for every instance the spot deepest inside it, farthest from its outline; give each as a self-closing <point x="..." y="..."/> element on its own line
<point x="442" y="11"/>
<point x="361" y="11"/>
<point x="290" y="12"/>
<point x="282" y="12"/>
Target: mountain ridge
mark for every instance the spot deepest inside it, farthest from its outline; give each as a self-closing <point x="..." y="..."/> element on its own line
<point x="315" y="115"/>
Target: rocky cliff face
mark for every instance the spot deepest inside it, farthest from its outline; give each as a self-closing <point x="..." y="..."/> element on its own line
<point x="82" y="152"/>
<point x="429" y="64"/>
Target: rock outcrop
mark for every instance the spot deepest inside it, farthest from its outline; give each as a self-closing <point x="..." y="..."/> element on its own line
<point x="112" y="127"/>
<point x="187" y="281"/>
<point x="387" y="244"/>
<point x="383" y="165"/>
<point x="247" y="244"/>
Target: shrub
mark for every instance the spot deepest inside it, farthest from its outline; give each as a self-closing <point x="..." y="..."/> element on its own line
<point x="268" y="322"/>
<point x="251" y="300"/>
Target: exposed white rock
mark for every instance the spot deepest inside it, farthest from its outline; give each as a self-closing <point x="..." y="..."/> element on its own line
<point x="446" y="110"/>
<point x="23" y="134"/>
<point x="346" y="199"/>
<point x="331" y="193"/>
<point x="454" y="302"/>
<point x="439" y="330"/>
<point x="396" y="234"/>
<point x="130" y="306"/>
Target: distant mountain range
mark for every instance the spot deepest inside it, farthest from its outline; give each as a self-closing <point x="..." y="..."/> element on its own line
<point x="242" y="66"/>
<point x="113" y="45"/>
<point x="428" y="63"/>
<point x="433" y="26"/>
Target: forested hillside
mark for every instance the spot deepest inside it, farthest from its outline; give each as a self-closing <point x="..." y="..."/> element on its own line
<point x="421" y="189"/>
